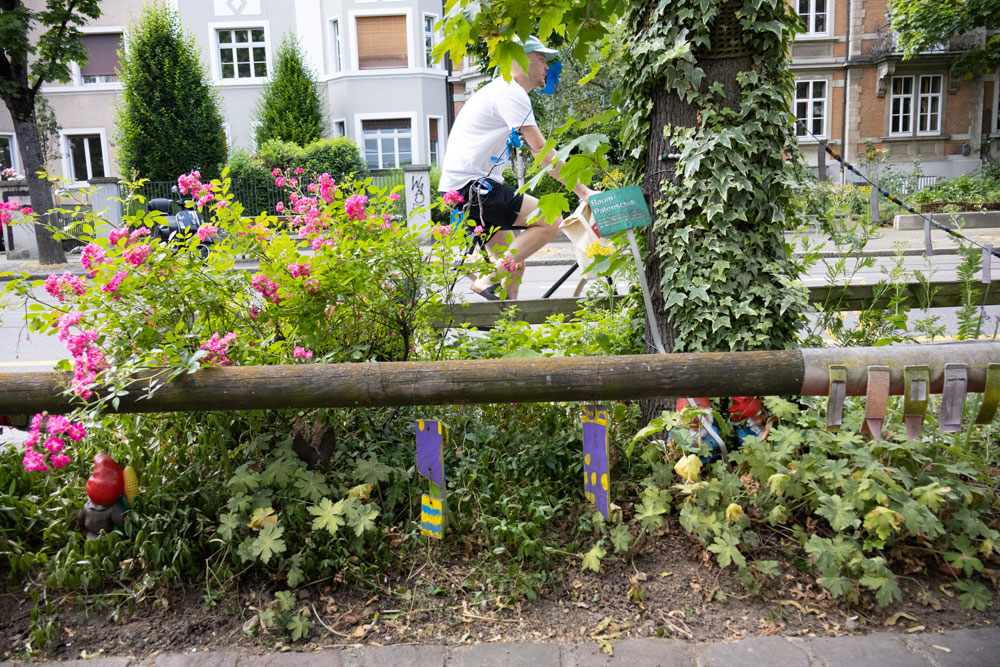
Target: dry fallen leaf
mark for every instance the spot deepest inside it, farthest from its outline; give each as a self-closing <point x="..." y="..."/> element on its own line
<point x="917" y="628"/>
<point x="892" y="620"/>
<point x="941" y="648"/>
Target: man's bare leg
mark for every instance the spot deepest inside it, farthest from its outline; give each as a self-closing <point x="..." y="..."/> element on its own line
<point x="532" y="238"/>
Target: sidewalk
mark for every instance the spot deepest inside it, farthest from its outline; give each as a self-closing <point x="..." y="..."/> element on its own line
<point x="957" y="648"/>
<point x="887" y="243"/>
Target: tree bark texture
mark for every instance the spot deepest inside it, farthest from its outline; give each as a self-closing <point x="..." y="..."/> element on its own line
<point x="22" y="110"/>
<point x="670" y="109"/>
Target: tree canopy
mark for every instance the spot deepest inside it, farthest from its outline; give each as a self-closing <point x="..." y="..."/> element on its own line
<point x="923" y="24"/>
<point x="168" y="118"/>
<point x="290" y="108"/>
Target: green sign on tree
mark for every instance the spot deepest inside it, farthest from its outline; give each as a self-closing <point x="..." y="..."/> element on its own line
<point x="615" y="210"/>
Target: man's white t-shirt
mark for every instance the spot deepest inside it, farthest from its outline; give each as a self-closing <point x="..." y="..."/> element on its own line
<point x="481" y="131"/>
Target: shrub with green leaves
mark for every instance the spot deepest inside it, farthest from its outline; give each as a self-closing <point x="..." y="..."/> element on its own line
<point x="291" y="107"/>
<point x="337" y="157"/>
<point x="278" y="154"/>
<point x="168" y="120"/>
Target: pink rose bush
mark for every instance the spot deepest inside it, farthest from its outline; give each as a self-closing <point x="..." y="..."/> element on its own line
<point x="47" y="440"/>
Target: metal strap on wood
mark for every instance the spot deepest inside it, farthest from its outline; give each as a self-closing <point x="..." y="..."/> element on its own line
<point x="991" y="396"/>
<point x="956" y="382"/>
<point x="876" y="401"/>
<point x="835" y="398"/>
<point x="916" y="388"/>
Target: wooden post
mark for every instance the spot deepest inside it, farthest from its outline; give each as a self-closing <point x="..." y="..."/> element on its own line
<point x="821" y="160"/>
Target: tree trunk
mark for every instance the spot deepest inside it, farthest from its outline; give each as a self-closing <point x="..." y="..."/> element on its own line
<point x="22" y="110"/>
<point x="670" y="109"/>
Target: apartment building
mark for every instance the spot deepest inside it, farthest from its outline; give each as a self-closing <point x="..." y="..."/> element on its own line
<point x="853" y="87"/>
<point x="372" y="58"/>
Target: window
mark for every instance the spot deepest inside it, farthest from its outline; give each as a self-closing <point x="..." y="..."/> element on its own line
<point x="382" y="42"/>
<point x="812" y="15"/>
<point x="387" y="143"/>
<point x="429" y="21"/>
<point x="432" y="133"/>
<point x="927" y="100"/>
<point x="86" y="156"/>
<point x="8" y="154"/>
<point x="929" y="105"/>
<point x="102" y="58"/>
<point x="339" y="128"/>
<point x="335" y="56"/>
<point x="242" y="53"/>
<point x="810" y="108"/>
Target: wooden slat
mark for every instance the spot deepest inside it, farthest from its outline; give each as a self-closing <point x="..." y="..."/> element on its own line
<point x="482" y="314"/>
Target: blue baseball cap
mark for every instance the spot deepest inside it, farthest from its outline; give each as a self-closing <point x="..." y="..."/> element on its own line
<point x="534" y="45"/>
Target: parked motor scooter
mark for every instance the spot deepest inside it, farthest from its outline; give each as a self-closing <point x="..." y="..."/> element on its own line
<point x="181" y="226"/>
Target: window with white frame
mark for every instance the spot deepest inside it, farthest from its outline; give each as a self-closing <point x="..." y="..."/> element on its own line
<point x="387" y="143"/>
<point x="382" y="42"/>
<point x="102" y="58"/>
<point x="813" y="16"/>
<point x="429" y="21"/>
<point x="242" y="53"/>
<point x="85" y="154"/>
<point x="434" y="147"/>
<point x="915" y="95"/>
<point x="810" y="108"/>
<point x="929" y="105"/>
<point x="339" y="128"/>
<point x="336" y="57"/>
<point x="8" y="154"/>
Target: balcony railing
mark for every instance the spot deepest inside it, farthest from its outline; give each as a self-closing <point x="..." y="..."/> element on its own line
<point x="887" y="42"/>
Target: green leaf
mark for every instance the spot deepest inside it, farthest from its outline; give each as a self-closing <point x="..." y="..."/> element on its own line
<point x="592" y="559"/>
<point x="621" y="538"/>
<point x="362" y="519"/>
<point x="371" y="471"/>
<point x="768" y="568"/>
<point x="883" y="522"/>
<point x="268" y="543"/>
<point x="329" y="516"/>
<point x="837" y="585"/>
<point x="279" y="473"/>
<point x="311" y="485"/>
<point x="299" y="626"/>
<point x="838" y="512"/>
<point x="285" y="600"/>
<point x="726" y="549"/>
<point x="229" y="523"/>
<point x="976" y="595"/>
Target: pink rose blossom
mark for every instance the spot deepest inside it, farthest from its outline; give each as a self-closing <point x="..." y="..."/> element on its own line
<point x="117" y="235"/>
<point x="298" y="270"/>
<point x="112" y="285"/>
<point x="207" y="231"/>
<point x="355" y="207"/>
<point x="64" y="286"/>
<point x="298" y="170"/>
<point x="57" y="424"/>
<point x="92" y="257"/>
<point x="302" y="353"/>
<point x="395" y="196"/>
<point x="27" y="210"/>
<point x="452" y="198"/>
<point x="136" y="255"/>
<point x="275" y="171"/>
<point x="279" y="207"/>
<point x="218" y="349"/>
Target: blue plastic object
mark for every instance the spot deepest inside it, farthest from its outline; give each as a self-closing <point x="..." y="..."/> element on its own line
<point x="552" y="78"/>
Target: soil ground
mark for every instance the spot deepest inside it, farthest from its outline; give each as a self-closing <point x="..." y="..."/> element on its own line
<point x="670" y="589"/>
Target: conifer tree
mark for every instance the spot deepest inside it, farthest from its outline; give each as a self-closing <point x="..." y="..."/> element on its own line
<point x="168" y="119"/>
<point x="290" y="108"/>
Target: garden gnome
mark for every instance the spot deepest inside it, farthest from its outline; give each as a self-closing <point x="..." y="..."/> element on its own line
<point x="747" y="416"/>
<point x="103" y="511"/>
<point x="701" y="427"/>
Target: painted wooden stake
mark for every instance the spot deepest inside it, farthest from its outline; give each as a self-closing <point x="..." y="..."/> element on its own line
<point x="596" y="474"/>
<point x="431" y="436"/>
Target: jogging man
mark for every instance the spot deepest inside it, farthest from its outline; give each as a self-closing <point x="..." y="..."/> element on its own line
<point x="479" y="137"/>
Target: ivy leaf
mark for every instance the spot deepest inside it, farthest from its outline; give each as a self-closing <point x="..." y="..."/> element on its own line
<point x="268" y="543"/>
<point x="726" y="549"/>
<point x="329" y="516"/>
<point x="976" y="595"/>
<point x="621" y="538"/>
<point x="838" y="512"/>
<point x="592" y="559"/>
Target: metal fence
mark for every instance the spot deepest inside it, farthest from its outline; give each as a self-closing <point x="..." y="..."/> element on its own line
<point x="258" y="194"/>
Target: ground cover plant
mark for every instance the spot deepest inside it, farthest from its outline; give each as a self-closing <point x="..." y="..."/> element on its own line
<point x="287" y="502"/>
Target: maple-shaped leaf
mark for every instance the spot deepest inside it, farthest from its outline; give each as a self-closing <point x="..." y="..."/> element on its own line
<point x="229" y="523"/>
<point x="268" y="543"/>
<point x="371" y="471"/>
<point x="363" y="519"/>
<point x="285" y="600"/>
<point x="838" y="512"/>
<point x="621" y="538"/>
<point x="299" y="626"/>
<point x="279" y="473"/>
<point x="329" y="516"/>
<point x="976" y="595"/>
<point x="649" y="512"/>
<point x="837" y="585"/>
<point x="243" y="480"/>
<point x="311" y="485"/>
<point x="592" y="559"/>
<point x="727" y="551"/>
<point x="883" y="522"/>
<point x="262" y="517"/>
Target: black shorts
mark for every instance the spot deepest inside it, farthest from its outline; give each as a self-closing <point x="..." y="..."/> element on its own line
<point x="494" y="207"/>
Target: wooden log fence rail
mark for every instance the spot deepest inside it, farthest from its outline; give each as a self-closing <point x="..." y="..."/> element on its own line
<point x="589" y="379"/>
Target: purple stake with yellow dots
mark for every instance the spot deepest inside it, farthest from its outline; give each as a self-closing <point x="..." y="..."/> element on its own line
<point x="431" y="436"/>
<point x="596" y="474"/>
